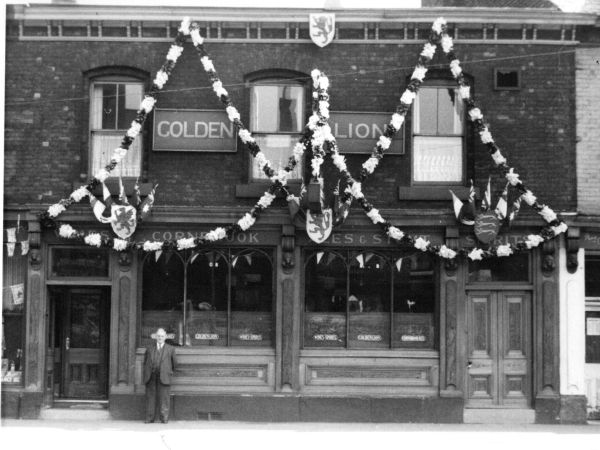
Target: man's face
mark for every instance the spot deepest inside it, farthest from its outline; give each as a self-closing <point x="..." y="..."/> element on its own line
<point x="161" y="335"/>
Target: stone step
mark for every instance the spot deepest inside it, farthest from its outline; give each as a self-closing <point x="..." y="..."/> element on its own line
<point x="493" y="415"/>
<point x="80" y="404"/>
<point x="74" y="414"/>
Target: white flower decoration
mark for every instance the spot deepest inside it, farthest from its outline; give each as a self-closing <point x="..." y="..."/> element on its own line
<point x="384" y="142"/>
<point x="446" y="43"/>
<point x="266" y="199"/>
<point x="455" y="68"/>
<point x="464" y="92"/>
<point x="219" y="89"/>
<point x="119" y="244"/>
<point x="397" y="121"/>
<point x="419" y="73"/>
<point x="395" y="233"/>
<point x="298" y="151"/>
<point x="134" y="129"/>
<point x="232" y="113"/>
<point x="533" y="240"/>
<point x="408" y="97"/>
<point x="446" y="252"/>
<point x="246" y="136"/>
<point x="504" y="250"/>
<point x="323" y="82"/>
<point x="118" y="154"/>
<point x="315" y="164"/>
<point x="79" y="194"/>
<point x="421" y="244"/>
<point x="438" y="24"/>
<point x="217" y="234"/>
<point x="375" y="216"/>
<point x="196" y="38"/>
<point x="93" y="239"/>
<point x="102" y="175"/>
<point x="339" y="161"/>
<point x="548" y="214"/>
<point x="174" y="52"/>
<point x="207" y="64"/>
<point x="475" y="114"/>
<point x="261" y="160"/>
<point x="161" y="78"/>
<point x="315" y="74"/>
<point x="355" y="190"/>
<point x="560" y="228"/>
<point x="56" y="209"/>
<point x="313" y="121"/>
<point x="428" y="51"/>
<point x="512" y="177"/>
<point x="498" y="158"/>
<point x="246" y="222"/>
<point x="152" y="246"/>
<point x="184" y="243"/>
<point x="476" y="254"/>
<point x="486" y="136"/>
<point x="66" y="231"/>
<point x="370" y="164"/>
<point x="529" y="198"/>
<point x="148" y="104"/>
<point x="185" y="26"/>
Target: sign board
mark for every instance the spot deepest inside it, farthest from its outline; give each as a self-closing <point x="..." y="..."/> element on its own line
<point x="590" y="240"/>
<point x="193" y="130"/>
<point x="358" y="132"/>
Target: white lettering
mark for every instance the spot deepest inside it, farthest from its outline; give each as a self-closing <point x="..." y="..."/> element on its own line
<point x="179" y="127"/>
<point x="365" y="133"/>
<point x="226" y="130"/>
<point x="250" y="337"/>
<point x="206" y="336"/>
<point x="197" y="132"/>
<point x="369" y="337"/>
<point x="412" y="338"/>
<point x="325" y="337"/>
<point x="160" y="128"/>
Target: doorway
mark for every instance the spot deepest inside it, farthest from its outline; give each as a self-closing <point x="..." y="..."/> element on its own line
<point x="78" y="342"/>
<point x="499" y="349"/>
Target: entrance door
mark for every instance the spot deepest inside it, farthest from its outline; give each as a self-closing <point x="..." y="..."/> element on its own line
<point x="499" y="349"/>
<point x="81" y="318"/>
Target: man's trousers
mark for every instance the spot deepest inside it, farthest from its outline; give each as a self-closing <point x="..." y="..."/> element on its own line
<point x="157" y="398"/>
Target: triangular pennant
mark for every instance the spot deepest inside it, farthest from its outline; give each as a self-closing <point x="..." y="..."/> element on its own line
<point x="147" y="204"/>
<point x="135" y="197"/>
<point x="122" y="195"/>
<point x="319" y="256"/>
<point x="368" y="256"/>
<point x="330" y="257"/>
<point x="194" y="256"/>
<point x="157" y="254"/>
<point x="248" y="259"/>
<point x="457" y="205"/>
<point x="234" y="261"/>
<point x="399" y="264"/>
<point x="516" y="206"/>
<point x="10" y="248"/>
<point x="24" y="247"/>
<point x="486" y="204"/>
<point x="11" y="234"/>
<point x="502" y="205"/>
<point x="361" y="261"/>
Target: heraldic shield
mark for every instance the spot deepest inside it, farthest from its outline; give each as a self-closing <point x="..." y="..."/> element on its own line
<point x="319" y="226"/>
<point x="123" y="220"/>
<point x="322" y="28"/>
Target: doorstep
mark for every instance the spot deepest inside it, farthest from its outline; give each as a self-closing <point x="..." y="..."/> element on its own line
<point x="77" y="410"/>
<point x="499" y="416"/>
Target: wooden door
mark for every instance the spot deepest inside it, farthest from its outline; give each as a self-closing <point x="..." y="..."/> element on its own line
<point x="499" y="349"/>
<point x="82" y="318"/>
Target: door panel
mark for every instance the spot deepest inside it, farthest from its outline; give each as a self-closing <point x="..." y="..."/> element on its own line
<point x="499" y="349"/>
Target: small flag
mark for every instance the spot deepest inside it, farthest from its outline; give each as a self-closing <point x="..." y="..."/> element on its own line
<point x="18" y="293"/>
<point x="107" y="201"/>
<point x="135" y="198"/>
<point x="24" y="247"/>
<point x="248" y="259"/>
<point x="399" y="264"/>
<point x="122" y="196"/>
<point x="157" y="254"/>
<point x="361" y="261"/>
<point x="516" y="206"/>
<point x="457" y="205"/>
<point x="11" y="235"/>
<point x="234" y="262"/>
<point x="502" y="205"/>
<point x="319" y="256"/>
<point x="486" y="204"/>
<point x="98" y="208"/>
<point x="147" y="204"/>
<point x="10" y="248"/>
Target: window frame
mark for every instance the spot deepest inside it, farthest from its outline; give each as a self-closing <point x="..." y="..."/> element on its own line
<point x="592" y="304"/>
<point x="114" y="79"/>
<point x="438" y="82"/>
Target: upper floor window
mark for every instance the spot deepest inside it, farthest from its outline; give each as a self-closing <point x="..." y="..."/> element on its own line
<point x="113" y="106"/>
<point x="277" y="113"/>
<point x="438" y="135"/>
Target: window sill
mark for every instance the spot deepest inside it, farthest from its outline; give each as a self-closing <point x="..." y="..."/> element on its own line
<point x="257" y="189"/>
<point x="433" y="192"/>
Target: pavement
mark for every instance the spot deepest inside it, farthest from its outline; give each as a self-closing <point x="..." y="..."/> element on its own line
<point x="217" y="435"/>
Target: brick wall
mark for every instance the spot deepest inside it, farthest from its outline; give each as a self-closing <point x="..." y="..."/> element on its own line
<point x="588" y="132"/>
<point x="46" y="137"/>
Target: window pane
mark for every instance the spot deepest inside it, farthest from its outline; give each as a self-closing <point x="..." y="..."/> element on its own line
<point x="512" y="268"/>
<point x="426" y="115"/>
<point x="277" y="149"/>
<point x="207" y="299"/>
<point x="592" y="275"/>
<point x="108" y="98"/>
<point x="592" y="337"/>
<point x="276" y="108"/>
<point x="449" y="112"/>
<point x="162" y="297"/>
<point x="325" y="300"/>
<point x="79" y="262"/>
<point x="130" y="96"/>
<point x="414" y="302"/>
<point x="103" y="144"/>
<point x="85" y="320"/>
<point x="438" y="159"/>
<point x="14" y="271"/>
<point x="369" y="301"/>
<point x="251" y="299"/>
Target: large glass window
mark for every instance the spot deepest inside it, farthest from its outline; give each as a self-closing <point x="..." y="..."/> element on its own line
<point x="228" y="292"/>
<point x="13" y="304"/>
<point x="364" y="299"/>
<point x="276" y="120"/>
<point x="592" y="313"/>
<point x="438" y="136"/>
<point x="114" y="105"/>
<point x="514" y="268"/>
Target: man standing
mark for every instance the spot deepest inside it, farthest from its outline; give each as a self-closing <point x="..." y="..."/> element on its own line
<point x="159" y="365"/>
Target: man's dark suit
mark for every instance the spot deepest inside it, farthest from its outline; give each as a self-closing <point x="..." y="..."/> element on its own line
<point x="159" y="366"/>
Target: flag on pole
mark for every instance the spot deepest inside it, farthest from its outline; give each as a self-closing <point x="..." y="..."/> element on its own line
<point x="122" y="195"/>
<point x="107" y="201"/>
<point x="486" y="203"/>
<point x="502" y="205"/>
<point x="24" y="247"/>
<point x="98" y="208"/>
<point x="147" y="204"/>
<point x="135" y="198"/>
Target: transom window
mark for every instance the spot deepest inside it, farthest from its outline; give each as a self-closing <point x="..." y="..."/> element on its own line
<point x="438" y="136"/>
<point x="114" y="104"/>
<point x="228" y="292"/>
<point x="365" y="299"/>
<point x="276" y="120"/>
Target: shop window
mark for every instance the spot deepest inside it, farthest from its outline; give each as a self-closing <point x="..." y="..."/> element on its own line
<point x="229" y="297"/>
<point x="365" y="299"/>
<point x="113" y="106"/>
<point x="14" y="270"/>
<point x="592" y="313"/>
<point x="514" y="268"/>
<point x="79" y="262"/>
<point x="438" y="136"/>
<point x="277" y="114"/>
